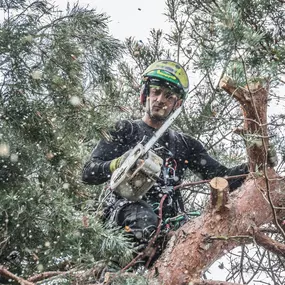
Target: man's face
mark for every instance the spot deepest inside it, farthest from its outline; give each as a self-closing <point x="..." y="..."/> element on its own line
<point x="161" y="102"/>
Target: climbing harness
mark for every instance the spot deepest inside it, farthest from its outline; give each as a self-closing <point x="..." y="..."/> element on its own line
<point x="165" y="225"/>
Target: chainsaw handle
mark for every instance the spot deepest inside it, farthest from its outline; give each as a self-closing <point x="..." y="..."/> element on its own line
<point x="119" y="174"/>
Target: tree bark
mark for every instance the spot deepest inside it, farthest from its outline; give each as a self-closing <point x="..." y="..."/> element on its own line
<point x="196" y="245"/>
<point x="268" y="243"/>
<point x="253" y="102"/>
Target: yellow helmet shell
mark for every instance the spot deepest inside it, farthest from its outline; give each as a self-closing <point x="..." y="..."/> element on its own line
<point x="170" y="71"/>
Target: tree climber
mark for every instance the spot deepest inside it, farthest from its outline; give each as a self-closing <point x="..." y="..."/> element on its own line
<point x="164" y="87"/>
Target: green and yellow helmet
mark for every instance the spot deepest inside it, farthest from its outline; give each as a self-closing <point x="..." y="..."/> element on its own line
<point x="165" y="72"/>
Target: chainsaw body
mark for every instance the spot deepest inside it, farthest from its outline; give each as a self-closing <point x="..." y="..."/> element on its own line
<point x="137" y="174"/>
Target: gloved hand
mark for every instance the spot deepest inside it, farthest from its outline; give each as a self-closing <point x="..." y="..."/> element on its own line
<point x="118" y="161"/>
<point x="272" y="159"/>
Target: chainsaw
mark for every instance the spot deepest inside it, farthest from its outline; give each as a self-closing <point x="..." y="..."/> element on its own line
<point x="141" y="169"/>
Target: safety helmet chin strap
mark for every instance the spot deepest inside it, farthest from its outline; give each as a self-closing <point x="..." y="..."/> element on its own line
<point x="147" y="84"/>
<point x="146" y="96"/>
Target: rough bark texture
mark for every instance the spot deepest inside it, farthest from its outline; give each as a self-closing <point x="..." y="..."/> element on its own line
<point x="209" y="282"/>
<point x="253" y="101"/>
<point x="196" y="245"/>
<point x="199" y="243"/>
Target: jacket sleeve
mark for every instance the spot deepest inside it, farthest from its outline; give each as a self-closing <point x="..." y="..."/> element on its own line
<point x="97" y="169"/>
<point x="206" y="167"/>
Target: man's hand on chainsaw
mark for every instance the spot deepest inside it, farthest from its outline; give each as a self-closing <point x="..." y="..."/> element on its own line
<point x="118" y="161"/>
<point x="135" y="172"/>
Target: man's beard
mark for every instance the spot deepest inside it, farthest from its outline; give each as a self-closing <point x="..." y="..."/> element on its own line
<point x="157" y="116"/>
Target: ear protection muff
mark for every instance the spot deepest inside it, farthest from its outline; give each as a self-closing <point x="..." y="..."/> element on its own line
<point x="144" y="92"/>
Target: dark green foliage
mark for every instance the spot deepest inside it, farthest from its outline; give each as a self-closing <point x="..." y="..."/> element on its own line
<point x="52" y="66"/>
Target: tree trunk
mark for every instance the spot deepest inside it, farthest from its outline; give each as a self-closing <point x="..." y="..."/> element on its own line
<point x="196" y="245"/>
<point x="253" y="101"/>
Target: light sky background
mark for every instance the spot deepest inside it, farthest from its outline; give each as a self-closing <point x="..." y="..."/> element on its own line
<point x="132" y="18"/>
<point x="126" y="19"/>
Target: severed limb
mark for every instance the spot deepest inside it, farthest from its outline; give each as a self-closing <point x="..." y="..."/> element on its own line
<point x="219" y="193"/>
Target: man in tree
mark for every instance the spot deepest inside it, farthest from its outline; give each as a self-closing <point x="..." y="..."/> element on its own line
<point x="164" y="87"/>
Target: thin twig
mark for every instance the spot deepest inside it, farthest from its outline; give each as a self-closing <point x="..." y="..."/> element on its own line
<point x="186" y="184"/>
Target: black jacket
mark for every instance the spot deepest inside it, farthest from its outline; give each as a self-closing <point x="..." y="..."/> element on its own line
<point x="178" y="148"/>
<point x="187" y="152"/>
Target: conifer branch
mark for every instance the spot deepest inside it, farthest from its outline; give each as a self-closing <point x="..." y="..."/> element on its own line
<point x="9" y="275"/>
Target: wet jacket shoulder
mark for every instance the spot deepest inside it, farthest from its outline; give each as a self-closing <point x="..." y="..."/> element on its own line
<point x="97" y="169"/>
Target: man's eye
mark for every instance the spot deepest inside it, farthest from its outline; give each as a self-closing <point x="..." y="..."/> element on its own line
<point x="169" y="95"/>
<point x="157" y="91"/>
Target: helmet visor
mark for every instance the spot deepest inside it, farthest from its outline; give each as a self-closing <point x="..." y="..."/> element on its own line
<point x="154" y="82"/>
<point x="169" y="71"/>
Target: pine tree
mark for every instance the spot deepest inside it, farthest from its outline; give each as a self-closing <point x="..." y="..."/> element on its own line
<point x="244" y="41"/>
<point x="240" y="40"/>
<point x="54" y="68"/>
<point x="65" y="84"/>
